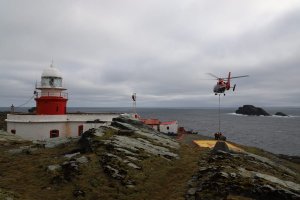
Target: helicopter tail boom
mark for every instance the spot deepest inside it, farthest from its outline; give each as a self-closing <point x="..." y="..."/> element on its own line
<point x="228" y="81"/>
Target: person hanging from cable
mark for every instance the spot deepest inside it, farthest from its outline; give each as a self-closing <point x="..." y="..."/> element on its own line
<point x="133" y="97"/>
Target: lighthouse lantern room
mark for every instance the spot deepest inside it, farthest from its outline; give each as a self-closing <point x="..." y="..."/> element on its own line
<point x="51" y="100"/>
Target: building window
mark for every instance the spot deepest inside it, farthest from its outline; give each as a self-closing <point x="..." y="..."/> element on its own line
<point x="168" y="128"/>
<point x="54" y="133"/>
<point x="13" y="131"/>
<point x="80" y="130"/>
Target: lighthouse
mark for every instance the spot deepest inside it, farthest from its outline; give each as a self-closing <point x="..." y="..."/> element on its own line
<point x="51" y="119"/>
<point x="51" y="98"/>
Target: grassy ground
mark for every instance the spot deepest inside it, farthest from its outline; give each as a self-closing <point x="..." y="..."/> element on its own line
<point x="27" y="177"/>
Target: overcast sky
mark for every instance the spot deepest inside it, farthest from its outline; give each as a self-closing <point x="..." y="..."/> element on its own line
<point x="160" y="49"/>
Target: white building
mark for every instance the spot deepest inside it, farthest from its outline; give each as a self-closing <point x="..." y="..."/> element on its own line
<point x="51" y="119"/>
<point x="169" y="127"/>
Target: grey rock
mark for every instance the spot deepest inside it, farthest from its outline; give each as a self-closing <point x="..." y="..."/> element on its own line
<point x="220" y="147"/>
<point x="223" y="174"/>
<point x="132" y="158"/>
<point x="233" y="175"/>
<point x="125" y="151"/>
<point x="281" y="114"/>
<point x="270" y="162"/>
<point x="69" y="156"/>
<point x="191" y="191"/>
<point x="54" y="168"/>
<point x="5" y="136"/>
<point x="114" y="173"/>
<point x="23" y="150"/>
<point x="203" y="169"/>
<point x="54" y="142"/>
<point x="136" y="145"/>
<point x="287" y="184"/>
<point x="134" y="166"/>
<point x="82" y="160"/>
<point x="251" y="110"/>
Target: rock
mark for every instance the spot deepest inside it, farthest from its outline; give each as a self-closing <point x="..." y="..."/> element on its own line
<point x="233" y="175"/>
<point x="203" y="169"/>
<point x="281" y="114"/>
<point x="288" y="184"/>
<point x="6" y="195"/>
<point x="251" y="110"/>
<point x="82" y="160"/>
<point x="295" y="159"/>
<point x="269" y="192"/>
<point x="78" y="193"/>
<point x="5" y="136"/>
<point x="127" y="152"/>
<point x="23" y="150"/>
<point x="191" y="191"/>
<point x="132" y="158"/>
<point x="222" y="175"/>
<point x="53" y="168"/>
<point x="54" y="142"/>
<point x="70" y="170"/>
<point x="86" y="141"/>
<point x="114" y="173"/>
<point x="136" y="145"/>
<point x="69" y="156"/>
<point x="270" y="162"/>
<point x="221" y="146"/>
<point x="134" y="166"/>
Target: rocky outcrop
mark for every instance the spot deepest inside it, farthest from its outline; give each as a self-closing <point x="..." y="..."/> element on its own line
<point x="4" y="136"/>
<point x="127" y="143"/>
<point x="7" y="195"/>
<point x="3" y="116"/>
<point x="281" y="114"/>
<point x="251" y="110"/>
<point x="224" y="175"/>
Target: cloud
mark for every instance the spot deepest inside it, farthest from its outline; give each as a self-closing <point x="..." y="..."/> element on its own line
<point x="161" y="50"/>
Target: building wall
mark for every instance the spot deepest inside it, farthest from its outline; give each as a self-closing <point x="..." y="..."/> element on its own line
<point x="33" y="127"/>
<point x="172" y="128"/>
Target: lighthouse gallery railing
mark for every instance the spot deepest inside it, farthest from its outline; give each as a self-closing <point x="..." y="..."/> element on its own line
<point x="51" y="94"/>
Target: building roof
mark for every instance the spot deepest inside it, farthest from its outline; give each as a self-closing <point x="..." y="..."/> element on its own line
<point x="51" y="72"/>
<point x="168" y="123"/>
<point x="151" y="121"/>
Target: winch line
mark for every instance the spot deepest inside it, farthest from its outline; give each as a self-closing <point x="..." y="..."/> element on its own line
<point x="25" y="102"/>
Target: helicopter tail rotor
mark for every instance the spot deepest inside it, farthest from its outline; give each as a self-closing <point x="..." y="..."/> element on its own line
<point x="234" y="87"/>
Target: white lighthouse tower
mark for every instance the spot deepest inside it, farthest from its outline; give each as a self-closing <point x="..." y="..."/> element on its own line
<point x="51" y="100"/>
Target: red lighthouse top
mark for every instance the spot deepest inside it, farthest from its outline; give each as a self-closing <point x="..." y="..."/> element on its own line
<point x="51" y="100"/>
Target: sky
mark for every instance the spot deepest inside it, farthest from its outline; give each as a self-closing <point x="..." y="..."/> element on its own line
<point x="161" y="50"/>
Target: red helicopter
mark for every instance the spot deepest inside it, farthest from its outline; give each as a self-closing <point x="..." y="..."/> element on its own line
<point x="223" y="85"/>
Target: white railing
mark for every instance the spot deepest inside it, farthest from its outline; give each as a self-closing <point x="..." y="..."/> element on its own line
<point x="51" y="94"/>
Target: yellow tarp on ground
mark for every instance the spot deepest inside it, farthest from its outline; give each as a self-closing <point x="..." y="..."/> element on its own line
<point x="211" y="143"/>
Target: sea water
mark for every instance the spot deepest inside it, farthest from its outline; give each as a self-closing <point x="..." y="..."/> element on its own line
<point x="276" y="134"/>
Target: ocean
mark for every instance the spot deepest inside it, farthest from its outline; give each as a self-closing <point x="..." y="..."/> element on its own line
<point x="280" y="135"/>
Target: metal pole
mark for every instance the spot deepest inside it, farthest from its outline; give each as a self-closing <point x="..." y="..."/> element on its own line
<point x="219" y="114"/>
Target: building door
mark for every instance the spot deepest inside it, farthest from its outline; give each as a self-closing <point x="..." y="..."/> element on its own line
<point x="80" y="130"/>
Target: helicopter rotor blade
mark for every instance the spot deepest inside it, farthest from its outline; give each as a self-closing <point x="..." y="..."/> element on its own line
<point x="237" y="77"/>
<point x="213" y="75"/>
